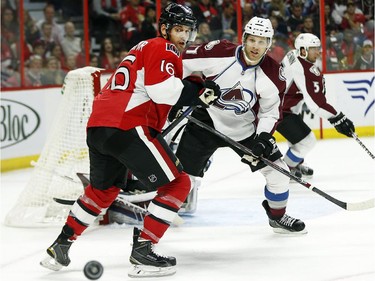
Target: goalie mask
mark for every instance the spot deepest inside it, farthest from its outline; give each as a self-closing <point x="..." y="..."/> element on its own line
<point x="306" y="40"/>
<point x="176" y="14"/>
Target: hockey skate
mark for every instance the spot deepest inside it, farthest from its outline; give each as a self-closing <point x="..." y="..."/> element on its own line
<point x="57" y="255"/>
<point x="295" y="172"/>
<point x="286" y="224"/>
<point x="302" y="171"/>
<point x="145" y="262"/>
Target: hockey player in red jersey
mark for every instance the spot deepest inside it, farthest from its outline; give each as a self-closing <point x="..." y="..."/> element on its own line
<point x="123" y="132"/>
<point x="252" y="89"/>
<point x="305" y="84"/>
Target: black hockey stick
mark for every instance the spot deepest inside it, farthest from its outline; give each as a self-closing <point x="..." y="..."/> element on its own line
<point x="347" y="206"/>
<point x="354" y="135"/>
<point x="178" y="120"/>
<point x="190" y="109"/>
<point x="129" y="205"/>
<point x="120" y="198"/>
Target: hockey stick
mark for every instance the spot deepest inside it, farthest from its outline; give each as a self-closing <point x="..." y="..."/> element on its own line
<point x="127" y="203"/>
<point x="187" y="111"/>
<point x="347" y="206"/>
<point x="122" y="199"/>
<point x="180" y="117"/>
<point x="354" y="135"/>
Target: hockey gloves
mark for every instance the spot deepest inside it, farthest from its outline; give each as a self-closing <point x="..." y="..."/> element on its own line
<point x="264" y="144"/>
<point x="209" y="93"/>
<point x="342" y="124"/>
<point x="174" y="113"/>
<point x="196" y="91"/>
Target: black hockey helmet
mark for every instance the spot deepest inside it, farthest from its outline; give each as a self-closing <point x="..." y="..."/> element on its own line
<point x="176" y="14"/>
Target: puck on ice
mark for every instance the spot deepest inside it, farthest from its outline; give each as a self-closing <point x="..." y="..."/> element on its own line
<point x="93" y="270"/>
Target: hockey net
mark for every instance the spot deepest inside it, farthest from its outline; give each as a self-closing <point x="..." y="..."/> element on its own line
<point x="64" y="154"/>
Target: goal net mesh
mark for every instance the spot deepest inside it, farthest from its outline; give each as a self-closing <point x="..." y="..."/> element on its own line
<point x="64" y="154"/>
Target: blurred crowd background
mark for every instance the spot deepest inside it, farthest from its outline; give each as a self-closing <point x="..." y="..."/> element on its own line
<point x="54" y="33"/>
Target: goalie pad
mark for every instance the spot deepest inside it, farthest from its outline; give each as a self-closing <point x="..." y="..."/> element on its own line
<point x="191" y="202"/>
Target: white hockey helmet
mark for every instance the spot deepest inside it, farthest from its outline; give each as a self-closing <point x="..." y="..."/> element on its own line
<point x="306" y="40"/>
<point x="259" y="27"/>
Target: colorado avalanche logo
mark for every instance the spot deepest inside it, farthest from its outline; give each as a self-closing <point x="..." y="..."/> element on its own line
<point x="314" y="70"/>
<point x="237" y="98"/>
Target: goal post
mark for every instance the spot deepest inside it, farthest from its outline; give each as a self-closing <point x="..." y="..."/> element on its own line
<point x="64" y="154"/>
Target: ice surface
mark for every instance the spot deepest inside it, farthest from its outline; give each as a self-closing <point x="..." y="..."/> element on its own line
<point x="228" y="238"/>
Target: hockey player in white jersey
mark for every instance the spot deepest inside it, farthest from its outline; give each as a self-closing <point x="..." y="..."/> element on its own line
<point x="305" y="84"/>
<point x="252" y="88"/>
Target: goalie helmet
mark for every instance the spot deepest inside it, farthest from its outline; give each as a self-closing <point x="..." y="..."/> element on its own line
<point x="176" y="14"/>
<point x="306" y="40"/>
<point x="259" y="27"/>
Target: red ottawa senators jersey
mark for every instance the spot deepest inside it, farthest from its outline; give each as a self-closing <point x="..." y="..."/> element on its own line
<point x="305" y="83"/>
<point x="251" y="96"/>
<point x="142" y="90"/>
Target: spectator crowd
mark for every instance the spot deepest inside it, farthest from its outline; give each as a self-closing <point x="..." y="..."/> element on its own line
<point x="53" y="44"/>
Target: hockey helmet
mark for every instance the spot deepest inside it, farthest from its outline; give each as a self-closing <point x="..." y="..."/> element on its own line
<point x="176" y="14"/>
<point x="259" y="27"/>
<point x="306" y="40"/>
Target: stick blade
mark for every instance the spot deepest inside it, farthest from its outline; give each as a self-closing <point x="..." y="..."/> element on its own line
<point x="359" y="206"/>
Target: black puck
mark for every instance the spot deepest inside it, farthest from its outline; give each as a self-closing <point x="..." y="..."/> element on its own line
<point x="93" y="270"/>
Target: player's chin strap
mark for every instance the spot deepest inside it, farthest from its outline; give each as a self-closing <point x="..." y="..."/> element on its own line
<point x="347" y="206"/>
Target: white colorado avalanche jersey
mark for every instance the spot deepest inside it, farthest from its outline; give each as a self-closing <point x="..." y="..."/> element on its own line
<point x="251" y="96"/>
<point x="305" y="84"/>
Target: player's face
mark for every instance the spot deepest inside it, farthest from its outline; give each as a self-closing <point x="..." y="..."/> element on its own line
<point x="313" y="54"/>
<point x="255" y="47"/>
<point x="179" y="36"/>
